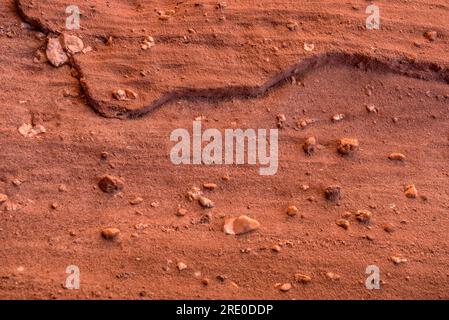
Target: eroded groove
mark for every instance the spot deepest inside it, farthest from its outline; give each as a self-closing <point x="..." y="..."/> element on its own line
<point x="424" y="70"/>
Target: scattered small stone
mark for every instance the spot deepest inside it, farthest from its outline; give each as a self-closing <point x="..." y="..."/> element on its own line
<point x="292" y="25"/>
<point x="205" y="202"/>
<point x="210" y="186"/>
<point x="304" y="123"/>
<point x="369" y="90"/>
<point x="111" y="184"/>
<point x="164" y="17"/>
<point x="141" y="226"/>
<point x="431" y="35"/>
<point x="347" y="146"/>
<point x="11" y="206"/>
<point x="136" y="201"/>
<point x="396" y="156"/>
<point x="338" y="117"/>
<point x="332" y="276"/>
<point x="363" y="216"/>
<point x="54" y="205"/>
<point x="110" y="233"/>
<point x="154" y="204"/>
<point x="389" y="227"/>
<point x="181" y="266"/>
<point x="308" y="47"/>
<point x="124" y="95"/>
<point x="410" y="191"/>
<point x="72" y="44"/>
<point x="285" y="287"/>
<point x="55" y="53"/>
<point x="276" y="248"/>
<point x="293" y="80"/>
<point x="309" y="146"/>
<point x="292" y="211"/>
<point x="16" y="182"/>
<point x="343" y="223"/>
<point x="302" y="278"/>
<point x="62" y="188"/>
<point x="372" y="108"/>
<point x="28" y="130"/>
<point x="305" y="187"/>
<point x="398" y="260"/>
<point x="242" y="224"/>
<point x="281" y="120"/>
<point x="148" y="43"/>
<point x="194" y="193"/>
<point x="119" y="94"/>
<point x="205" y="281"/>
<point x="181" y="212"/>
<point x="333" y="193"/>
<point x="87" y="49"/>
<point x="130" y="94"/>
<point x="3" y="198"/>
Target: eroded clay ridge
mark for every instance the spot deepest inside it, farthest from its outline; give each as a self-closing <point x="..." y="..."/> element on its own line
<point x="404" y="66"/>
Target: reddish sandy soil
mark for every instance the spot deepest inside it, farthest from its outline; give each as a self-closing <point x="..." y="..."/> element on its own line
<point x="234" y="62"/>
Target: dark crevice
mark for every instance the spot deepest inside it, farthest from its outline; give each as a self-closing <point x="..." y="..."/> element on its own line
<point x="404" y="66"/>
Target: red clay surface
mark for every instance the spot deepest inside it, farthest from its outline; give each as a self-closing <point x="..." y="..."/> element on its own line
<point x="37" y="242"/>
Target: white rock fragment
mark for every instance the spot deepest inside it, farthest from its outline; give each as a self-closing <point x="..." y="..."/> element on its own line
<point x="148" y="43"/>
<point x="124" y="95"/>
<point x="181" y="266"/>
<point x="28" y="130"/>
<point x="372" y="108"/>
<point x="205" y="202"/>
<point x="72" y="44"/>
<point x="338" y="117"/>
<point x="55" y="53"/>
<point x="309" y="46"/>
<point x="194" y="193"/>
<point x="398" y="260"/>
<point x="86" y="50"/>
<point x="119" y="94"/>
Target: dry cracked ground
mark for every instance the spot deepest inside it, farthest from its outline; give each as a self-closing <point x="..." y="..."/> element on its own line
<point x="363" y="150"/>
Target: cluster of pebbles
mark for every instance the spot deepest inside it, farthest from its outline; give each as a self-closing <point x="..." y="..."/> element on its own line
<point x="243" y="224"/>
<point x="60" y="49"/>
